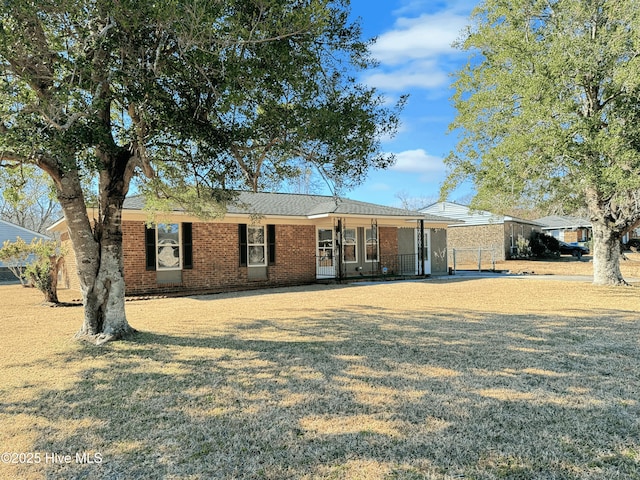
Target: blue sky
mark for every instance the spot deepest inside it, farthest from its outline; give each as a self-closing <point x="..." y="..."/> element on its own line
<point x="416" y="57"/>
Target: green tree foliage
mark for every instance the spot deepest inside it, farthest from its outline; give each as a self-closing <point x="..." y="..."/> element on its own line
<point x="15" y="255"/>
<point x="43" y="272"/>
<point x="35" y="263"/>
<point x="201" y="97"/>
<point x="548" y="113"/>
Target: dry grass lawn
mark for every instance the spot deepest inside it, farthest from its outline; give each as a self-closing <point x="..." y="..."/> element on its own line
<point x="565" y="265"/>
<point x="520" y="378"/>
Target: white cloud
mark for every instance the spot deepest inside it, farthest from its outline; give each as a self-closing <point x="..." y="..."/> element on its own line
<point x="417" y="52"/>
<point x="427" y="36"/>
<point x="418" y="161"/>
<point x="380" y="187"/>
<point x="421" y="75"/>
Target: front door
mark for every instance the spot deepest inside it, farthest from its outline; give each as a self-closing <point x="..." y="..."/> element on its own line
<point x="426" y="250"/>
<point x="325" y="257"/>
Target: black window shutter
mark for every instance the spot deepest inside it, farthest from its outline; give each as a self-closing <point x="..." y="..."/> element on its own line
<point x="150" y="247"/>
<point x="187" y="246"/>
<point x="271" y="238"/>
<point x="242" y="236"/>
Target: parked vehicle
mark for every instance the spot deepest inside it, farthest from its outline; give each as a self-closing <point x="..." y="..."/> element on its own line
<point x="632" y="245"/>
<point x="573" y="249"/>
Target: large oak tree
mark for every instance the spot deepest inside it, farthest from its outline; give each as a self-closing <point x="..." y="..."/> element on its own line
<point x="200" y="97"/>
<point x="549" y="113"/>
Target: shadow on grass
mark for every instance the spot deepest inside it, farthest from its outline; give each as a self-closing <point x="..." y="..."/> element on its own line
<point x="386" y="395"/>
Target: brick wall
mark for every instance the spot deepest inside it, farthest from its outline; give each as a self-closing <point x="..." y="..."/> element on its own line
<point x="295" y="255"/>
<point x="216" y="262"/>
<point x="136" y="277"/>
<point x="517" y="230"/>
<point x="474" y="237"/>
<point x="496" y="237"/>
<point x="388" y="238"/>
<point x="388" y="245"/>
<point x="579" y="235"/>
<point x="215" y="258"/>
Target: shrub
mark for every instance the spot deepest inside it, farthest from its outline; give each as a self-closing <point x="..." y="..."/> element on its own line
<point x="43" y="271"/>
<point x="15" y="256"/>
<point x="543" y="245"/>
<point x="523" y="247"/>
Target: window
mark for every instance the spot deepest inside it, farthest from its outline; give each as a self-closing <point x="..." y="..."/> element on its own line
<point x="256" y="243"/>
<point x="169" y="246"/>
<point x="256" y="246"/>
<point x="371" y="242"/>
<point x="325" y="247"/>
<point x="350" y="245"/>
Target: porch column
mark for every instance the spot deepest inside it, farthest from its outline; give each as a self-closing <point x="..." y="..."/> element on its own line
<point x="339" y="234"/>
<point x="421" y="248"/>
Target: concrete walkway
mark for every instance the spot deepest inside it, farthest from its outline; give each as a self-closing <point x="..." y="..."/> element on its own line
<point x="472" y="274"/>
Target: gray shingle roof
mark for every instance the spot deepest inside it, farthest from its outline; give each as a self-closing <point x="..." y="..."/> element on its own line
<point x="287" y="204"/>
<point x="465" y="216"/>
<point x="564" y="221"/>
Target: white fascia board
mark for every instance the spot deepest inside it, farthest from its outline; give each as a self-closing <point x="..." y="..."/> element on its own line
<point x="355" y="215"/>
<point x="56" y="226"/>
<point x="522" y="220"/>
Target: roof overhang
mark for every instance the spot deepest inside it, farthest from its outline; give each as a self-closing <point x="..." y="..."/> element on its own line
<point x="408" y="218"/>
<point x="58" y="226"/>
<point x="386" y="220"/>
<point x="566" y="227"/>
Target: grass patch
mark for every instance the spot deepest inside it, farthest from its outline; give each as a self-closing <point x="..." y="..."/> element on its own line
<point x="485" y="379"/>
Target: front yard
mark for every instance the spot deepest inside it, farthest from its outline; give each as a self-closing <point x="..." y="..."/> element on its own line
<point x="567" y="265"/>
<point x="518" y="378"/>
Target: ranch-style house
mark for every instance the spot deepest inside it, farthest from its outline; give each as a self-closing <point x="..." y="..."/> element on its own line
<point x="273" y="239"/>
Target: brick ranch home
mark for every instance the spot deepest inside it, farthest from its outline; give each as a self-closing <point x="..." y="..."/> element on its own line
<point x="273" y="239"/>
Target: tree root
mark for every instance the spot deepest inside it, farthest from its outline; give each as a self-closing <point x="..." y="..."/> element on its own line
<point x="61" y="304"/>
<point x="620" y="283"/>
<point x="99" y="339"/>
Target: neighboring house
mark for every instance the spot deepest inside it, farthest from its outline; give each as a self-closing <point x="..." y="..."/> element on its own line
<point x="274" y="239"/>
<point x="10" y="231"/>
<point x="566" y="228"/>
<point x="496" y="235"/>
<point x="634" y="234"/>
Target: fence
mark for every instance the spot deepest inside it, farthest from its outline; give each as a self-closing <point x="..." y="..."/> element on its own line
<point x="326" y="267"/>
<point x="402" y="264"/>
<point x="471" y="258"/>
<point x="389" y="265"/>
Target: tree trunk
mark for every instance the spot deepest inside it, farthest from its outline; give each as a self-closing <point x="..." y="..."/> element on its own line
<point x="104" y="313"/>
<point x="51" y="296"/>
<point x="100" y="265"/>
<point x="606" y="255"/>
<point x="51" y="287"/>
<point x="43" y="276"/>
